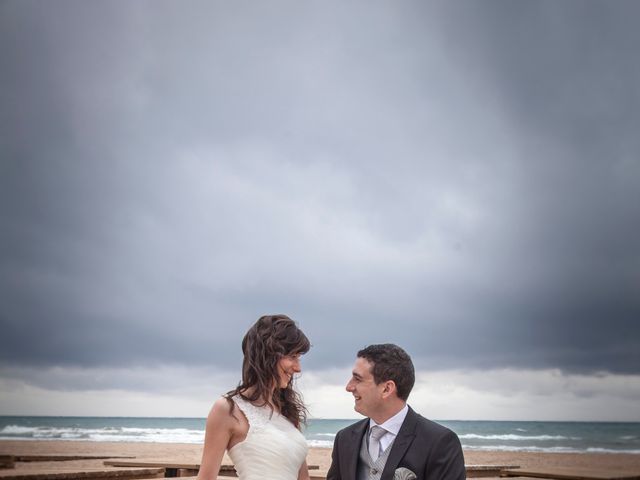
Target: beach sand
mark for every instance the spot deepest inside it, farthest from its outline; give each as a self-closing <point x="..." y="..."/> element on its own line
<point x="190" y="453"/>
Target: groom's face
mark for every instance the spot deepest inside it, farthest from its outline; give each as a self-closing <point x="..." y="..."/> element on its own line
<point x="367" y="395"/>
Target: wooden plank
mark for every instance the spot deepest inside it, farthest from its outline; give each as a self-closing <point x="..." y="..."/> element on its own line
<point x="169" y="464"/>
<point x="63" y="458"/>
<point x="186" y="472"/>
<point x="476" y="468"/>
<point x="149" y="463"/>
<point x="479" y="471"/>
<point x="570" y="474"/>
<point x="86" y="474"/>
<point x="157" y="463"/>
<point x="172" y="469"/>
<point x="7" y="461"/>
<point x="195" y="478"/>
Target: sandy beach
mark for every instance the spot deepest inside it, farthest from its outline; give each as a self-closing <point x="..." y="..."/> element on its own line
<point x="190" y="453"/>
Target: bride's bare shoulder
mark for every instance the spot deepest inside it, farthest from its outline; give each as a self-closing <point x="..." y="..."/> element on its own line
<point x="220" y="411"/>
<point x="224" y="409"/>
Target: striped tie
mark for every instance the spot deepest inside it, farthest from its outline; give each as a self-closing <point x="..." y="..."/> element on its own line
<point x="374" y="441"/>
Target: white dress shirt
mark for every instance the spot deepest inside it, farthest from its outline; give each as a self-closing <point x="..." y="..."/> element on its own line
<point x="392" y="426"/>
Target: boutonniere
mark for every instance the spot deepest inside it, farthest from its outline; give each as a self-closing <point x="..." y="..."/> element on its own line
<point x="404" y="474"/>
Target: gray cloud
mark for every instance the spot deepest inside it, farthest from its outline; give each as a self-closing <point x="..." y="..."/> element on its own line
<point x="460" y="179"/>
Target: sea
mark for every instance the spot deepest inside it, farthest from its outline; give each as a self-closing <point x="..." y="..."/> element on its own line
<point x="586" y="437"/>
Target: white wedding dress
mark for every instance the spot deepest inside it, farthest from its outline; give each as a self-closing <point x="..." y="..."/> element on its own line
<point x="273" y="450"/>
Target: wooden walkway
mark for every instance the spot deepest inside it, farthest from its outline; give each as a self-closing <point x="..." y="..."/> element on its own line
<point x="127" y="467"/>
<point x="9" y="461"/>
<point x="84" y="474"/>
<point x="559" y="473"/>
<point x="172" y="469"/>
<point x="478" y="471"/>
<point x="177" y="469"/>
<point x="64" y="458"/>
<point x="473" y="471"/>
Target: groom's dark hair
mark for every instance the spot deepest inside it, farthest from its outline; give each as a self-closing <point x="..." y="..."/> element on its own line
<point x="390" y="362"/>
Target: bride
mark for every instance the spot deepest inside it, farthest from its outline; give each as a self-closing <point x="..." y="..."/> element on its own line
<point x="259" y="422"/>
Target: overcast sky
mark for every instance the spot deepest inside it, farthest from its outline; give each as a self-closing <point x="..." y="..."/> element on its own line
<point x="460" y="178"/>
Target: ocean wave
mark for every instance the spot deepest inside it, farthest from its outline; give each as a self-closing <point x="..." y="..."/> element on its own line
<point x="16" y="430"/>
<point x="517" y="437"/>
<point x="531" y="448"/>
<point x="609" y="450"/>
<point x="511" y="448"/>
<point x="597" y="438"/>
<point x="107" y="434"/>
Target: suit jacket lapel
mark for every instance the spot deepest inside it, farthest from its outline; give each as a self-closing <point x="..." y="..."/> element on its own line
<point x="400" y="445"/>
<point x="357" y="434"/>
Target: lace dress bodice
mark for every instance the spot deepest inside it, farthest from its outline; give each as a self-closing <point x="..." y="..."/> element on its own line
<point x="273" y="450"/>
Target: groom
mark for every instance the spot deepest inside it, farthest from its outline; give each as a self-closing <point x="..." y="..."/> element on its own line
<point x="394" y="438"/>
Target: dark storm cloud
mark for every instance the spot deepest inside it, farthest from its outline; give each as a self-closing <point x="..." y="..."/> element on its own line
<point x="460" y="179"/>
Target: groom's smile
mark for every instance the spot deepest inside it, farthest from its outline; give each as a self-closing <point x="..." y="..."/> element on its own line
<point x="363" y="388"/>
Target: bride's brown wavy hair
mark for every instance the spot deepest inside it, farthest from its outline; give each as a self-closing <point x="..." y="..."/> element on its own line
<point x="267" y="341"/>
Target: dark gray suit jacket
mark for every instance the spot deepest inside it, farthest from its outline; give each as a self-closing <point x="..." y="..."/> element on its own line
<point x="429" y="450"/>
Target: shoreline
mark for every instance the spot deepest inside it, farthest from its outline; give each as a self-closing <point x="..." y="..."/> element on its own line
<point x="321" y="456"/>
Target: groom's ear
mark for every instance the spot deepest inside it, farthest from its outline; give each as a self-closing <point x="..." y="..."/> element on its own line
<point x="389" y="389"/>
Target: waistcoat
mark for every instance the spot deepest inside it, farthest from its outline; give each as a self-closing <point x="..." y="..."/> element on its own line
<point x="367" y="468"/>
